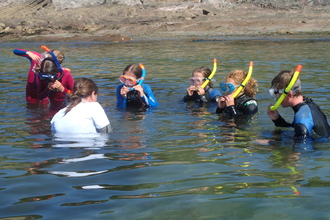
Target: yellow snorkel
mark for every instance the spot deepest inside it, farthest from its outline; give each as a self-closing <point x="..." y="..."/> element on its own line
<point x="212" y="73"/>
<point x="288" y="88"/>
<point x="246" y="80"/>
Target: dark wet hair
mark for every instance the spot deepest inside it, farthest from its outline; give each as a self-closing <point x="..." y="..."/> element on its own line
<point x="49" y="67"/>
<point x="134" y="69"/>
<point x="83" y="87"/>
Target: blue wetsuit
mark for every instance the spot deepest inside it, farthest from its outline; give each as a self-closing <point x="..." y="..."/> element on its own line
<point x="211" y="95"/>
<point x="308" y="116"/>
<point x="148" y="99"/>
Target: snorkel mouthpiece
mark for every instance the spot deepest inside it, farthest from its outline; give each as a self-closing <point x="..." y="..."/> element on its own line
<point x="288" y="88"/>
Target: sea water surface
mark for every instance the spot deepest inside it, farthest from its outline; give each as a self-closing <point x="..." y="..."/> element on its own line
<point x="176" y="161"/>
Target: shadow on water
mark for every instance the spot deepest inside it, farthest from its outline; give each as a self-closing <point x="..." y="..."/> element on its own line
<point x="176" y="161"/>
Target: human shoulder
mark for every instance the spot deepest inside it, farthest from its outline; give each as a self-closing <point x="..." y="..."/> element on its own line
<point x="58" y="115"/>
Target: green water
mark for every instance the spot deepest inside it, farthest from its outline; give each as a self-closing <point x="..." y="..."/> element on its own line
<point x="177" y="161"/>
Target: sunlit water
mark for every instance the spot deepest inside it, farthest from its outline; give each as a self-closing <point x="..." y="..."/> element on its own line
<point x="177" y="161"/>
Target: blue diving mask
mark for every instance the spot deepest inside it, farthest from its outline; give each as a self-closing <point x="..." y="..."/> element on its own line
<point x="227" y="87"/>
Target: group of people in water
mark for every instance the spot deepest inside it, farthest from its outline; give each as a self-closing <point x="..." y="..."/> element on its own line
<point x="48" y="82"/>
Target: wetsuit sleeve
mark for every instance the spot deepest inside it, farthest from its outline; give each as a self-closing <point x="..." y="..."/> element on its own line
<point x="152" y="102"/>
<point x="250" y="107"/>
<point x="280" y="122"/>
<point x="219" y="110"/>
<point x="69" y="82"/>
<point x="303" y="122"/>
<point x="22" y="53"/>
<point x="300" y="130"/>
<point x="121" y="101"/>
<point x="188" y="98"/>
<point x="230" y="110"/>
<point x="214" y="95"/>
<point x="203" y="98"/>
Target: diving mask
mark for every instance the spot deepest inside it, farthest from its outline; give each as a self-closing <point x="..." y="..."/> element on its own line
<point x="227" y="87"/>
<point x="128" y="81"/>
<point x="47" y="77"/>
<point x="274" y="91"/>
<point x="195" y="81"/>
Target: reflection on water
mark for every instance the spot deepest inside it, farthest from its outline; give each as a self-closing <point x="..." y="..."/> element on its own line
<point x="177" y="161"/>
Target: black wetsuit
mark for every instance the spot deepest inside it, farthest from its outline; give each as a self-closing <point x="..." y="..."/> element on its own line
<point x="308" y="116"/>
<point x="244" y="105"/>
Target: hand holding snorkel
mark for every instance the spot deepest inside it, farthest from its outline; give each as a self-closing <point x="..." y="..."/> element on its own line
<point x="228" y="88"/>
<point x="132" y="83"/>
<point x="198" y="82"/>
<point x="53" y="81"/>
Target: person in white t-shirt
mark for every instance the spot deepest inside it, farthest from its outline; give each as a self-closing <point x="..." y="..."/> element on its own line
<point x="83" y="114"/>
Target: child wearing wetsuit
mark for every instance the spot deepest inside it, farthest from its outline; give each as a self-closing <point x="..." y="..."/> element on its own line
<point x="308" y="116"/>
<point x="244" y="103"/>
<point x="32" y="80"/>
<point x="130" y="93"/>
<point x="54" y="84"/>
<point x="196" y="92"/>
<point x="31" y="84"/>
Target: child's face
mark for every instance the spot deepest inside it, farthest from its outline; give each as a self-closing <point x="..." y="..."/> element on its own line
<point x="229" y="87"/>
<point x="129" y="79"/>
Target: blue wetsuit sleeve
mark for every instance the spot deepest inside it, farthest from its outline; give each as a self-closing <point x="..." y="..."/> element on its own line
<point x="22" y="53"/>
<point x="214" y="95"/>
<point x="121" y="101"/>
<point x="152" y="102"/>
<point x="303" y="122"/>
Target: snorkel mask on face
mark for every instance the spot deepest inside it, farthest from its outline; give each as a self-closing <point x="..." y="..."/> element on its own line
<point x="194" y="81"/>
<point x="46" y="66"/>
<point x="294" y="82"/>
<point x="274" y="92"/>
<point x="128" y="81"/>
<point x="51" y="77"/>
<point x="47" y="77"/>
<point x="227" y="87"/>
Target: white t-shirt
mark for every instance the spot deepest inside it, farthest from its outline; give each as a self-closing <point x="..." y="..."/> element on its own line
<point x="85" y="117"/>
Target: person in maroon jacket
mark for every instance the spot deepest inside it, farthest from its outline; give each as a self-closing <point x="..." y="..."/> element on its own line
<point x="54" y="83"/>
<point x="31" y="84"/>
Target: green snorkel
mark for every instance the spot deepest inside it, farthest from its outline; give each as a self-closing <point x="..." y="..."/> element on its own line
<point x="246" y="80"/>
<point x="288" y="88"/>
<point x="212" y="73"/>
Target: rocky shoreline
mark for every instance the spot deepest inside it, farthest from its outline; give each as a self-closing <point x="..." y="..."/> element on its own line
<point x="115" y="23"/>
